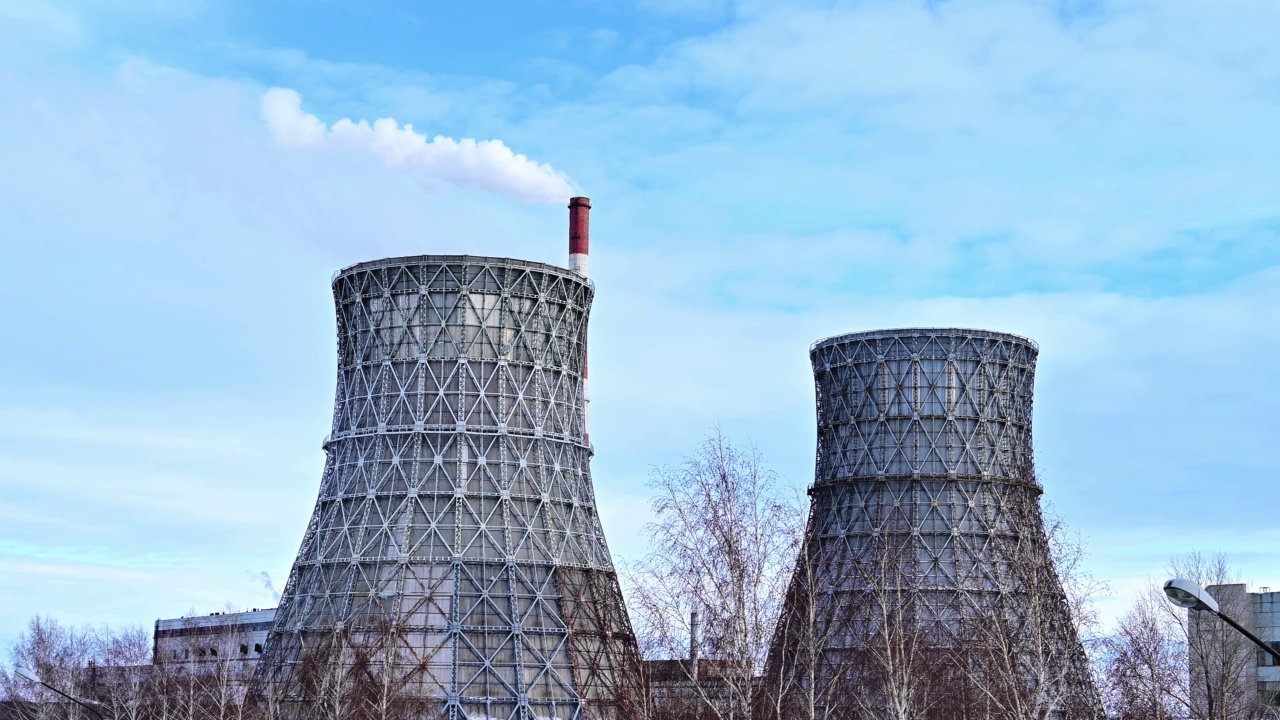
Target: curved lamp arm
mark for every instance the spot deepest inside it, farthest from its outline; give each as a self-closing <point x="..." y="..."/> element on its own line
<point x="83" y="703"/>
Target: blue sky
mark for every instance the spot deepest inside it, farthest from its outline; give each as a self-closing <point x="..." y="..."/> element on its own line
<point x="1103" y="177"/>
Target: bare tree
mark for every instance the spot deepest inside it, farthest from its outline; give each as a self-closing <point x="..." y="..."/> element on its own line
<point x="1166" y="662"/>
<point x="59" y="654"/>
<point x="325" y="678"/>
<point x="381" y="676"/>
<point x="377" y="682"/>
<point x="109" y="669"/>
<point x="1020" y="644"/>
<point x="900" y="660"/>
<point x="1222" y="683"/>
<point x="859" y="637"/>
<point x="202" y="676"/>
<point x="1145" y="663"/>
<point x="166" y="685"/>
<point x="723" y="543"/>
<point x="1069" y="551"/>
<point x="123" y="678"/>
<point x="888" y="625"/>
<point x="805" y="678"/>
<point x="224" y="676"/>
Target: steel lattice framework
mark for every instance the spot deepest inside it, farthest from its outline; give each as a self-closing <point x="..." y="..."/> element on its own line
<point x="925" y="510"/>
<point x="456" y="527"/>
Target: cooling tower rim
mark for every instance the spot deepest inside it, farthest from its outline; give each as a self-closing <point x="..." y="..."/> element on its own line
<point x="390" y="262"/>
<point x="920" y="331"/>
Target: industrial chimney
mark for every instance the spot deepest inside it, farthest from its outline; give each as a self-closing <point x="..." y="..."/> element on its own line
<point x="455" y="546"/>
<point x="579" y="251"/>
<point x="579" y="234"/>
<point x="695" y="644"/>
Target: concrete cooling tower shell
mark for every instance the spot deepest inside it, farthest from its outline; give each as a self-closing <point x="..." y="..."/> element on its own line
<point x="923" y="403"/>
<point x="925" y="505"/>
<point x="455" y="559"/>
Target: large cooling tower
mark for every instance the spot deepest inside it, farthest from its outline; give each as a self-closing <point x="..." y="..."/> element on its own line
<point x="925" y="585"/>
<point x="455" y="562"/>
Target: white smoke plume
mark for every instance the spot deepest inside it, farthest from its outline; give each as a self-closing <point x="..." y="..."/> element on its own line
<point x="269" y="586"/>
<point x="477" y="164"/>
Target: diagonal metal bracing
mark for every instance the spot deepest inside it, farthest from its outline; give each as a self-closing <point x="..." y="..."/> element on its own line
<point x="925" y="504"/>
<point x="456" y="514"/>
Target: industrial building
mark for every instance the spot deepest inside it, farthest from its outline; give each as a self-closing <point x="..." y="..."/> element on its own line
<point x="455" y="553"/>
<point x="925" y="562"/>
<point x="224" y="636"/>
<point x="694" y="687"/>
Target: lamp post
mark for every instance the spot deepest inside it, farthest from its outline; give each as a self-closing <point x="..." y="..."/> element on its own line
<point x="89" y="704"/>
<point x="1186" y="594"/>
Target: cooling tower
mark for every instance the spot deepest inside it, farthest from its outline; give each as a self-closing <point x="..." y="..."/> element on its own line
<point x="455" y="565"/>
<point x="925" y="587"/>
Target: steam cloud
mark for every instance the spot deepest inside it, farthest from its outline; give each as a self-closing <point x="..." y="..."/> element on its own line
<point x="268" y="585"/>
<point x="477" y="164"/>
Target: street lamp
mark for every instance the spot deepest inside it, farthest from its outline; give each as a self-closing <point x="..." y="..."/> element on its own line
<point x="1187" y="594"/>
<point x="36" y="679"/>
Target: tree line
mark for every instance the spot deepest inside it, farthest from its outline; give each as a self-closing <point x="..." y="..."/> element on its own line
<point x="728" y="538"/>
<point x="728" y="542"/>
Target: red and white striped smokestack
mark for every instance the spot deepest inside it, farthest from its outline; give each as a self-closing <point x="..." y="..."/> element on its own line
<point x="579" y="234"/>
<point x="579" y="247"/>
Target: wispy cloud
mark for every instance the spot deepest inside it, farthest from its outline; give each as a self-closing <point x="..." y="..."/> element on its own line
<point x="995" y="127"/>
<point x="487" y="165"/>
<point x="124" y="431"/>
<point x="100" y="556"/>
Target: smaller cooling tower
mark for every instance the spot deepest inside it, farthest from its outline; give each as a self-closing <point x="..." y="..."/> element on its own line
<point x="925" y="548"/>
